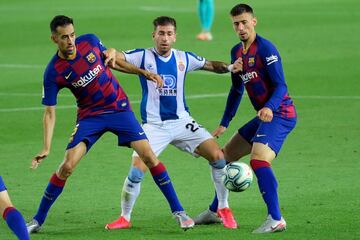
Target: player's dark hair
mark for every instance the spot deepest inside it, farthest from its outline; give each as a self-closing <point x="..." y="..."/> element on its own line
<point x="240" y="9"/>
<point x="60" y="20"/>
<point x="163" y="21"/>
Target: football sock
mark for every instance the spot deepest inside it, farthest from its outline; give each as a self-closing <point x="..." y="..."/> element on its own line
<point x="267" y="186"/>
<point x="217" y="172"/>
<point x="16" y="223"/>
<point x="206" y="13"/>
<point x="214" y="205"/>
<point x="51" y="193"/>
<point x="130" y="193"/>
<point x="163" y="181"/>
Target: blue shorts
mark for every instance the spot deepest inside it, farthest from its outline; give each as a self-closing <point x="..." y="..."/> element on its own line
<point x="122" y="124"/>
<point x="2" y="185"/>
<point x="271" y="133"/>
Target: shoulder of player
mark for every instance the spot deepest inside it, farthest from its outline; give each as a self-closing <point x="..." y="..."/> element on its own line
<point x="135" y="50"/>
<point x="90" y="37"/>
<point x="192" y="54"/>
<point x="265" y="45"/>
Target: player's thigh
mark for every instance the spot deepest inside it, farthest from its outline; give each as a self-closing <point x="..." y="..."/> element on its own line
<point x="236" y="148"/>
<point x="158" y="136"/>
<point x="126" y="127"/>
<point x="269" y="138"/>
<point x="87" y="130"/>
<point x="5" y="201"/>
<point x="143" y="149"/>
<point x="188" y="135"/>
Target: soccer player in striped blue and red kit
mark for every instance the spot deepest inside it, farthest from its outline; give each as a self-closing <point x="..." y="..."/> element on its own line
<point x="103" y="106"/>
<point x="263" y="136"/>
<point x="11" y="215"/>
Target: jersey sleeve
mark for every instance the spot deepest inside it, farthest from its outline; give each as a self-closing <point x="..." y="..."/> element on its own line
<point x="50" y="89"/>
<point x="195" y="62"/>
<point x="272" y="61"/>
<point x="234" y="96"/>
<point x="135" y="56"/>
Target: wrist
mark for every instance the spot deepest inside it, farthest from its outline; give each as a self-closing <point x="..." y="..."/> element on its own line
<point x="230" y="67"/>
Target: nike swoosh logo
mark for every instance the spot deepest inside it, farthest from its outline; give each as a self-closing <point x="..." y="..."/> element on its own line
<point x="260" y="135"/>
<point x="67" y="76"/>
<point x="141" y="133"/>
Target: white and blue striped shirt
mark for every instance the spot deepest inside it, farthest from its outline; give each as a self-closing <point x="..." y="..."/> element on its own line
<point x="167" y="102"/>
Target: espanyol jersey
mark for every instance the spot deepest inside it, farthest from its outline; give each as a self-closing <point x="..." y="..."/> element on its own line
<point x="167" y="102"/>
<point x="96" y="89"/>
<point x="263" y="78"/>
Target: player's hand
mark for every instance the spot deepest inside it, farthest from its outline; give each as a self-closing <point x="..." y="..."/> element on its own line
<point x="110" y="57"/>
<point x="237" y="65"/>
<point x="155" y="78"/>
<point x="265" y="114"/>
<point x="219" y="131"/>
<point x="38" y="159"/>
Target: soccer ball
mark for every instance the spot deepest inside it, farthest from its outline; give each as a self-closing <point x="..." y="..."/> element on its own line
<point x="238" y="176"/>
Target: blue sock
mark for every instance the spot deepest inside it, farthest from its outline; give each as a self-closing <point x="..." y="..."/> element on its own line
<point x="214" y="205"/>
<point x="163" y="181"/>
<point x="268" y="186"/>
<point x="16" y="223"/>
<point x="51" y="193"/>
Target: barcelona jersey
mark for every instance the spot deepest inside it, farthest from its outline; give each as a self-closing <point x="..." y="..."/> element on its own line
<point x="95" y="88"/>
<point x="263" y="79"/>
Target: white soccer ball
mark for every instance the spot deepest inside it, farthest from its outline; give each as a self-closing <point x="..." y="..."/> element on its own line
<point x="238" y="176"/>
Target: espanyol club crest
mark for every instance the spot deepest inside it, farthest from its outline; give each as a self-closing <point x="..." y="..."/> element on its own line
<point x="251" y="61"/>
<point x="91" y="58"/>
<point x="181" y="66"/>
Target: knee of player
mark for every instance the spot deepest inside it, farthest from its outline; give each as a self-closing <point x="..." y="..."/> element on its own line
<point x="215" y="155"/>
<point x="149" y="158"/>
<point x="66" y="170"/>
<point x="135" y="175"/>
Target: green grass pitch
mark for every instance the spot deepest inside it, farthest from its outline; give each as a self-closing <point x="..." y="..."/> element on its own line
<point x="317" y="169"/>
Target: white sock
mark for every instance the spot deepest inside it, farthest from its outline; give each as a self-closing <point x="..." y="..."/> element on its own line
<point x="221" y="191"/>
<point x="129" y="194"/>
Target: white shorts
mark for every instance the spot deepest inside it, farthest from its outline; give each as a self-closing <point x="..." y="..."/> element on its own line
<point x="185" y="134"/>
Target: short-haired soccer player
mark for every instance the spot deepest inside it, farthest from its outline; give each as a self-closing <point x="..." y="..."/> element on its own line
<point x="103" y="106"/>
<point x="166" y="118"/>
<point x="263" y="136"/>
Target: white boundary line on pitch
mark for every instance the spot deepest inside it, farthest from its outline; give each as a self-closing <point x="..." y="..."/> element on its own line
<point x="197" y="96"/>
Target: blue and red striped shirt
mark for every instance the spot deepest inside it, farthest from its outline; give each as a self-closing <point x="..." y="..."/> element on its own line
<point x="263" y="78"/>
<point x="95" y="88"/>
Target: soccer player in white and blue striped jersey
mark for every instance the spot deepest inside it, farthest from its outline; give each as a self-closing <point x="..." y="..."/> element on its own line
<point x="166" y="119"/>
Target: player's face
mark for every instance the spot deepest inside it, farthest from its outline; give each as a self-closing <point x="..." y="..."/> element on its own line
<point x="64" y="37"/>
<point x="244" y="25"/>
<point x="164" y="37"/>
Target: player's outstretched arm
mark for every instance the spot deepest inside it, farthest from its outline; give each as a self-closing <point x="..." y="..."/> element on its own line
<point x="48" y="128"/>
<point x="116" y="60"/>
<point x="221" y="67"/>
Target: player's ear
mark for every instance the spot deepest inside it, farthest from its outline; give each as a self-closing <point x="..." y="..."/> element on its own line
<point x="53" y="38"/>
<point x="153" y="35"/>
<point x="254" y="21"/>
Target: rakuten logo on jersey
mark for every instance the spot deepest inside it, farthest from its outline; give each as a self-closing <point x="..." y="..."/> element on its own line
<point x="88" y="78"/>
<point x="248" y="76"/>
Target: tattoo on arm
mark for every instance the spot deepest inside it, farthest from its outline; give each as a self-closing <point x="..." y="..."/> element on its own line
<point x="215" y="66"/>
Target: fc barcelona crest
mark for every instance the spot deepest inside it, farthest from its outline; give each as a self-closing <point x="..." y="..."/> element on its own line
<point x="251" y="61"/>
<point x="91" y="58"/>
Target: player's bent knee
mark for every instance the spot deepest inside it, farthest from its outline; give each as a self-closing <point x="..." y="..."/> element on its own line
<point x="66" y="170"/>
